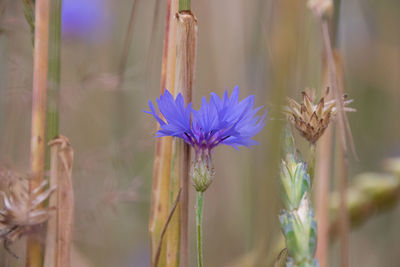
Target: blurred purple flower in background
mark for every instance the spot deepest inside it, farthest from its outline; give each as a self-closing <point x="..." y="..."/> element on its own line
<point x="84" y="19"/>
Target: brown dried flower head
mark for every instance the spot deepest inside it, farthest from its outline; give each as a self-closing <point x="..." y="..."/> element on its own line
<point x="312" y="119"/>
<point x="20" y="212"/>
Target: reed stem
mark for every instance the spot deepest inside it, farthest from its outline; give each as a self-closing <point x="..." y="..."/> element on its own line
<point x="199" y="227"/>
<point x="39" y="95"/>
<point x="174" y="229"/>
<point x="186" y="46"/>
<point x="163" y="148"/>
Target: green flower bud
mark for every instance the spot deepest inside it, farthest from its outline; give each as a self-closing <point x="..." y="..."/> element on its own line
<point x="202" y="173"/>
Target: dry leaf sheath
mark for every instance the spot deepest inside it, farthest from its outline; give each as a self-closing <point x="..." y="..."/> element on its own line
<point x="20" y="213"/>
<point x="311" y="119"/>
<point x="60" y="226"/>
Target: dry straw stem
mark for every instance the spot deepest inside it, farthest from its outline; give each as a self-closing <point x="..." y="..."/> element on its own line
<point x="163" y="146"/>
<point x="186" y="46"/>
<point x="343" y="128"/>
<point x="38" y="146"/>
<point x="164" y="230"/>
<point x="324" y="159"/>
<point x="322" y="180"/>
<point x="174" y="230"/>
<point x="343" y="131"/>
<point x="60" y="227"/>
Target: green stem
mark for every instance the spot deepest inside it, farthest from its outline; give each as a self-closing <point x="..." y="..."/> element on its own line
<point x="199" y="220"/>
<point x="311" y="163"/>
<point x="184" y="5"/>
<point x="54" y="75"/>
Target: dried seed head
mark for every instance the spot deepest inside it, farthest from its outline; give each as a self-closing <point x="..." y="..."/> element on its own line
<point x="312" y="119"/>
<point x="20" y="212"/>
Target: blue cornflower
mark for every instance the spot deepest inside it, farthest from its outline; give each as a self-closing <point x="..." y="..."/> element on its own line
<point x="87" y="19"/>
<point x="219" y="121"/>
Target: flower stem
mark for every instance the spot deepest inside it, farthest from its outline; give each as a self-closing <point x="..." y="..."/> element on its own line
<point x="34" y="250"/>
<point x="184" y="5"/>
<point x="199" y="220"/>
<point x="311" y="163"/>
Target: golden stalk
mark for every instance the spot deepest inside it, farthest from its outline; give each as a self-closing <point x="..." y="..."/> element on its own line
<point x="59" y="229"/>
<point x="329" y="11"/>
<point x="174" y="230"/>
<point x="322" y="179"/>
<point x="186" y="44"/>
<point x="162" y="157"/>
<point x="38" y="146"/>
<point x="342" y="132"/>
<point x="323" y="9"/>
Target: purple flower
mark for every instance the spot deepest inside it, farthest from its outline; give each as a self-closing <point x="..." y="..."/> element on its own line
<point x="225" y="121"/>
<point x="86" y="19"/>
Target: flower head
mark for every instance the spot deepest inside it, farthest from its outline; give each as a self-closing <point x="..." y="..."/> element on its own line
<point x="20" y="212"/>
<point x="312" y="119"/>
<point x="223" y="120"/>
<point x="219" y="121"/>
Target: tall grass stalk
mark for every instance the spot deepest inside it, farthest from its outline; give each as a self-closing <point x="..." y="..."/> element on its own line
<point x="184" y="5"/>
<point x="52" y="122"/>
<point x="343" y="132"/>
<point x="323" y="168"/>
<point x="163" y="148"/>
<point x="186" y="45"/>
<point x="39" y="95"/>
<point x="60" y="225"/>
<point x="322" y="178"/>
<point x="174" y="230"/>
<point x="54" y="75"/>
<point x="173" y="242"/>
<point x="323" y="11"/>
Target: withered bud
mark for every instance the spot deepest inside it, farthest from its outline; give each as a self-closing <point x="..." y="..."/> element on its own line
<point x="311" y="119"/>
<point x="21" y="210"/>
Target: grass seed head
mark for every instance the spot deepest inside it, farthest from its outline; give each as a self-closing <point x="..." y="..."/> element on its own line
<point x="311" y="119"/>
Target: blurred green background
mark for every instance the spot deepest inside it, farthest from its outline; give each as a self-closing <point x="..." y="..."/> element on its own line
<point x="270" y="48"/>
